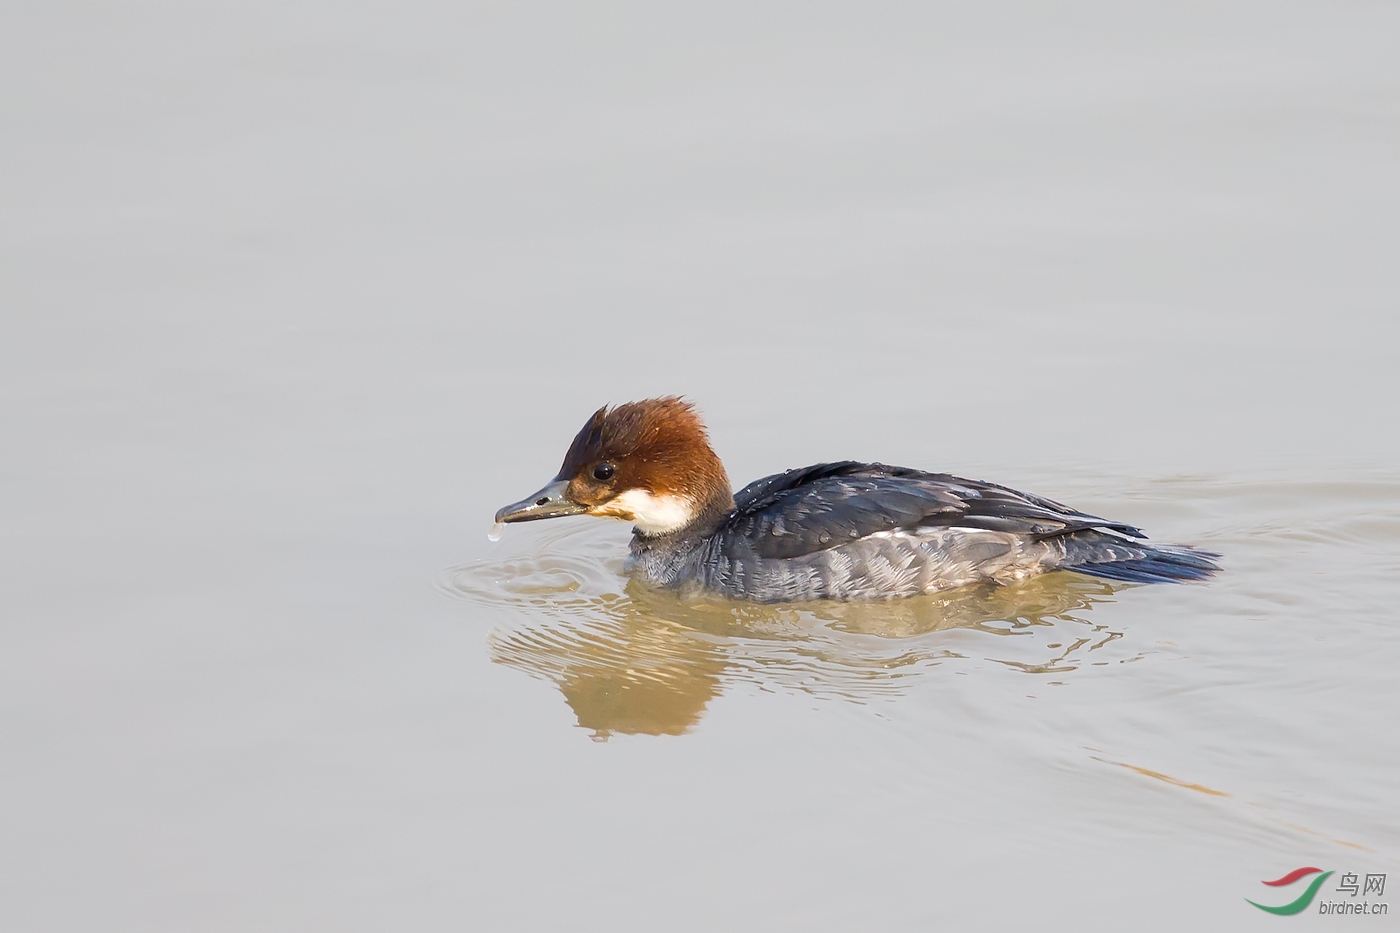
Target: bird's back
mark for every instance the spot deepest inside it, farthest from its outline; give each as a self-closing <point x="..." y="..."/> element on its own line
<point x="853" y="530"/>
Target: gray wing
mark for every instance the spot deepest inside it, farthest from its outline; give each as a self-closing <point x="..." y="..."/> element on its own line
<point x="827" y="505"/>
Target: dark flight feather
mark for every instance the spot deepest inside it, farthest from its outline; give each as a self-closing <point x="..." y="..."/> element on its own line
<point x="824" y="506"/>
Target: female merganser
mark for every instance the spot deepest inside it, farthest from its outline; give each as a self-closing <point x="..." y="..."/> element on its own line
<point x="842" y="530"/>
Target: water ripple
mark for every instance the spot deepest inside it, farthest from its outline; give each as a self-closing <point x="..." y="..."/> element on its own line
<point x="630" y="659"/>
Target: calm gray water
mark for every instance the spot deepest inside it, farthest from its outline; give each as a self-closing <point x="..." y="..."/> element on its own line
<point x="296" y="295"/>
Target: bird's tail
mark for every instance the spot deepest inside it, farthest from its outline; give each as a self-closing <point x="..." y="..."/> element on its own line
<point x="1165" y="564"/>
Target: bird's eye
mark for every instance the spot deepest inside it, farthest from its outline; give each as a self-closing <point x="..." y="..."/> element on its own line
<point x="603" y="472"/>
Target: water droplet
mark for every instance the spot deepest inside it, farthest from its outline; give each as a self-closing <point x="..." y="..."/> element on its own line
<point x="496" y="531"/>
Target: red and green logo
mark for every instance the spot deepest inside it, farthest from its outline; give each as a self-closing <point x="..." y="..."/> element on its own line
<point x="1304" y="899"/>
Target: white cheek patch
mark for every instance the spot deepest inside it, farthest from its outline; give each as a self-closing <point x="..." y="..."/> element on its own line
<point x="654" y="515"/>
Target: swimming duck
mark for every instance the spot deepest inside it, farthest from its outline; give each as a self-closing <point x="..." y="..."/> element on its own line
<point x="843" y="530"/>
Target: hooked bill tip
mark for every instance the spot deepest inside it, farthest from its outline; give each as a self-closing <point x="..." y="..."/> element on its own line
<point x="550" y="502"/>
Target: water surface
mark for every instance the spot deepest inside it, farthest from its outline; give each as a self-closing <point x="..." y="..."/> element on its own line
<point x="295" y="296"/>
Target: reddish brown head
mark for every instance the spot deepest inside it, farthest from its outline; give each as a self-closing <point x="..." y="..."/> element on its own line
<point x="646" y="462"/>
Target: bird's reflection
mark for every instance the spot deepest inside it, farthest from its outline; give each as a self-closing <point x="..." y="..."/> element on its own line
<point x="648" y="662"/>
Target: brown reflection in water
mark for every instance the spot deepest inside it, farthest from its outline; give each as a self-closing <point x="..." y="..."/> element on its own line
<point x="624" y="674"/>
<point x="649" y="662"/>
<point x="621" y="668"/>
<point x="1037" y="601"/>
<point x="1212" y="792"/>
<point x="1165" y="778"/>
